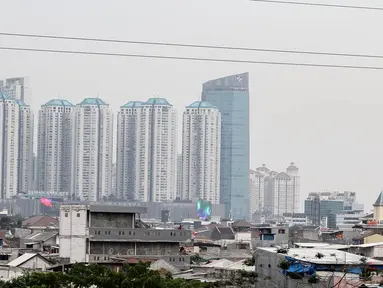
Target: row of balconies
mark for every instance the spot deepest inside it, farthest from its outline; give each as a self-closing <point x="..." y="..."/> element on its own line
<point x="141" y="234"/>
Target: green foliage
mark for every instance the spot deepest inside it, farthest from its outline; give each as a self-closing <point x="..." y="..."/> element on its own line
<point x="85" y="276"/>
<point x="313" y="279"/>
<point x="250" y="261"/>
<point x="284" y="265"/>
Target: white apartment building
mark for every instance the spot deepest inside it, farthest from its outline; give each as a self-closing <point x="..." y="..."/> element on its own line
<point x="282" y="190"/>
<point x="146" y="151"/>
<point x="16" y="88"/>
<point x="9" y="146"/>
<point x="93" y="150"/>
<point x="256" y="192"/>
<point x="55" y="146"/>
<point x="129" y="151"/>
<point x="26" y="128"/>
<point x="201" y="152"/>
<point x="179" y="176"/>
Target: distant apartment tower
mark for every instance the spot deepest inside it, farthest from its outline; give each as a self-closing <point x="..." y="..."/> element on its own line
<point x="25" y="165"/>
<point x="16" y="88"/>
<point x="231" y="96"/>
<point x="179" y="176"/>
<point x="55" y="146"/>
<point x="201" y="149"/>
<point x="93" y="150"/>
<point x="256" y="192"/>
<point x="9" y="148"/>
<point x="146" y="151"/>
<point x="16" y="136"/>
<point x="282" y="190"/>
<point x="128" y="172"/>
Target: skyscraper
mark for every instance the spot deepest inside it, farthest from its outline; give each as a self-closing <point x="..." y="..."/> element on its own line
<point x="128" y="165"/>
<point x="231" y="96"/>
<point x="9" y="148"/>
<point x="201" y="146"/>
<point x="25" y="165"/>
<point x="55" y="146"/>
<point x="256" y="192"/>
<point x="146" y="151"/>
<point x="282" y="190"/>
<point x="93" y="150"/>
<point x="16" y="88"/>
<point x="179" y="176"/>
<point x="16" y="136"/>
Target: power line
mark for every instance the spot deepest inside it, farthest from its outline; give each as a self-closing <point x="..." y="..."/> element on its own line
<point x="191" y="58"/>
<point x="181" y="45"/>
<point x="320" y="4"/>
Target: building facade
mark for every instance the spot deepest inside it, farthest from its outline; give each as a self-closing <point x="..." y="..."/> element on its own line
<point x="179" y="176"/>
<point x="9" y="148"/>
<point x="128" y="163"/>
<point x="256" y="192"/>
<point x="25" y="165"/>
<point x="282" y="190"/>
<point x="55" y="150"/>
<point x="146" y="151"/>
<point x="231" y="96"/>
<point x="93" y="150"/>
<point x="96" y="233"/>
<point x="16" y="88"/>
<point x="201" y="145"/>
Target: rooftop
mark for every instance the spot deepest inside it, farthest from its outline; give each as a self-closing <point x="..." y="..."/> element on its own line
<point x="24" y="258"/>
<point x="157" y="101"/>
<point x="132" y="104"/>
<point x="201" y="104"/>
<point x="92" y="101"/>
<point x="329" y="256"/>
<point x="41" y="236"/>
<point x="4" y="96"/>
<point x="58" y="102"/>
<point x="40" y="221"/>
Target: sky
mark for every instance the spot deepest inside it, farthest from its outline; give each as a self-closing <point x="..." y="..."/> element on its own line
<point x="327" y="121"/>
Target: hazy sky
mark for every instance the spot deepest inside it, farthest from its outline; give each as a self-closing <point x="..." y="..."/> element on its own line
<point x="328" y="121"/>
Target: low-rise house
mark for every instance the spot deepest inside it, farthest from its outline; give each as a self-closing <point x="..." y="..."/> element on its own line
<point x="26" y="262"/>
<point x="40" y="223"/>
<point x="299" y="263"/>
<point x="268" y="236"/>
<point x="222" y="233"/>
<point x="41" y="241"/>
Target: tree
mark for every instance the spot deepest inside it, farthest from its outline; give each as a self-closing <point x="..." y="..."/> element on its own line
<point x="85" y="276"/>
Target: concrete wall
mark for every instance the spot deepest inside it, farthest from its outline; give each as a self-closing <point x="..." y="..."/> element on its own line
<point x="373" y="239"/>
<point x="117" y="220"/>
<point x="130" y="248"/>
<point x="168" y="235"/>
<point x="73" y="232"/>
<point x="35" y="263"/>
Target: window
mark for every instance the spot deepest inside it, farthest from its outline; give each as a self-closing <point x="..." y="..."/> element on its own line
<point x="281" y="231"/>
<point x="78" y="214"/>
<point x="66" y="214"/>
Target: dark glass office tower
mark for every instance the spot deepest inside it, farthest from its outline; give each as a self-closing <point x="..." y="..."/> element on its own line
<point x="231" y="96"/>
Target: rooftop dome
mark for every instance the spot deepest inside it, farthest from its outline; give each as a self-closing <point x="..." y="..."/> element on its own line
<point x="157" y="101"/>
<point x="201" y="104"/>
<point x="93" y="101"/>
<point x="58" y="102"/>
<point x="132" y="104"/>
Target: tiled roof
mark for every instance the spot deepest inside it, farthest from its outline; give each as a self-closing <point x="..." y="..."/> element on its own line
<point x="201" y="104"/>
<point x="92" y="101"/>
<point x="132" y="104"/>
<point x="58" y="102"/>
<point x="40" y="221"/>
<point x="157" y="101"/>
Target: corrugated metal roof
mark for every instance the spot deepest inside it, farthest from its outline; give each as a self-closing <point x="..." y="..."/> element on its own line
<point x="329" y="256"/>
<point x="41" y="236"/>
<point x="23" y="258"/>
